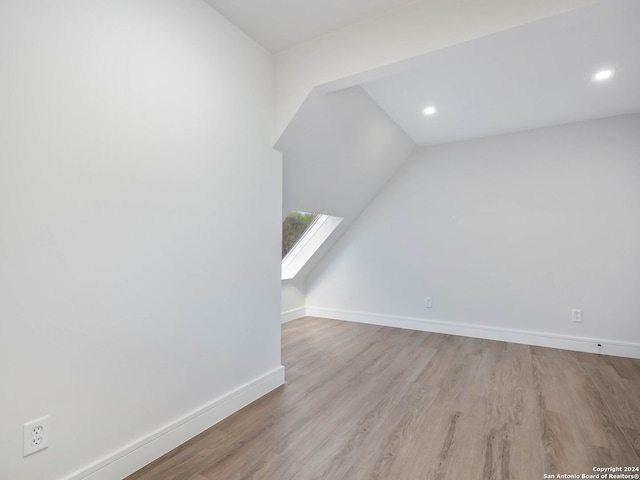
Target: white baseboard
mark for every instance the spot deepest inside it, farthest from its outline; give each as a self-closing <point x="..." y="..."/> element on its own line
<point x="294" y="314"/>
<point x="579" y="344"/>
<point x="143" y="451"/>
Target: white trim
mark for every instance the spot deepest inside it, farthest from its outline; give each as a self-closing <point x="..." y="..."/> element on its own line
<point x="579" y="344"/>
<point x="294" y="314"/>
<point x="143" y="451"/>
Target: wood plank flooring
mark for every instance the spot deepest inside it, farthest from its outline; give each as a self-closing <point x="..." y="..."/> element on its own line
<point x="369" y="402"/>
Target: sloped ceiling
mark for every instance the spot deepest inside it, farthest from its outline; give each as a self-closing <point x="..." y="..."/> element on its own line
<point x="338" y="152"/>
<point x="279" y="24"/>
<point x="528" y="77"/>
<point x="342" y="147"/>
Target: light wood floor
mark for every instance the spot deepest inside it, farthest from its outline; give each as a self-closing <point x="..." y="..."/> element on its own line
<point x="368" y="402"/>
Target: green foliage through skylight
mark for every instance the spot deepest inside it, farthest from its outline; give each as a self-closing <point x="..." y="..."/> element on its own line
<point x="294" y="227"/>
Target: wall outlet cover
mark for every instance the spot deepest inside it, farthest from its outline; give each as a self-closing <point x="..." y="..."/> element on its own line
<point x="36" y="436"/>
<point x="576" y="315"/>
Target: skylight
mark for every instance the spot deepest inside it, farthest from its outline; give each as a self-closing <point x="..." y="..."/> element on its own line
<point x="302" y="235"/>
<point x="294" y="227"/>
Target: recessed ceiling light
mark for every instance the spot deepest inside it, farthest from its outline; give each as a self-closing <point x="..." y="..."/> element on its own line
<point x="603" y="75"/>
<point x="430" y="110"/>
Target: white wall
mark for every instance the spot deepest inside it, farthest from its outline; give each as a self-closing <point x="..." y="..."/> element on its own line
<point x="134" y="143"/>
<point x="504" y="233"/>
<point x="399" y="35"/>
<point x="293" y="299"/>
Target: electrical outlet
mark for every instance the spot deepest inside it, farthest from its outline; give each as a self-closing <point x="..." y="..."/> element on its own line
<point x="576" y="315"/>
<point x="427" y="302"/>
<point x="36" y="436"/>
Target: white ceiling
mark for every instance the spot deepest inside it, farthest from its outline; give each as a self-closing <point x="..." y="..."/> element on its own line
<point x="528" y="77"/>
<point x="338" y="152"/>
<point x="279" y="24"/>
<point x="342" y="147"/>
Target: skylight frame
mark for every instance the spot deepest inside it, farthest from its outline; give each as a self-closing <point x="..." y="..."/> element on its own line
<point x="318" y="217"/>
<point x="308" y="244"/>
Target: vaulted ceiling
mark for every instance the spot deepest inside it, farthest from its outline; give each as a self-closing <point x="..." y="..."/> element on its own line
<point x="533" y="76"/>
<point x="279" y="24"/>
<point x="343" y="145"/>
